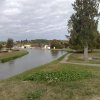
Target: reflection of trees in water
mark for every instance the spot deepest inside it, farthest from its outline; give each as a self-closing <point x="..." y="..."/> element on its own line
<point x="11" y="63"/>
<point x="62" y="52"/>
<point x="54" y="53"/>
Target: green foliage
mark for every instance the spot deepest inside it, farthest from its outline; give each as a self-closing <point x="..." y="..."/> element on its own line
<point x="1" y="46"/>
<point x="36" y="94"/>
<point x="58" y="76"/>
<point x="83" y="24"/>
<point x="37" y="41"/>
<point x="12" y="55"/>
<point x="42" y="42"/>
<point x="98" y="42"/>
<point x="66" y="44"/>
<point x="57" y="44"/>
<point x="10" y="43"/>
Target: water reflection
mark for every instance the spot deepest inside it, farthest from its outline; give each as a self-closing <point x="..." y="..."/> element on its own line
<point x="54" y="53"/>
<point x="11" y="63"/>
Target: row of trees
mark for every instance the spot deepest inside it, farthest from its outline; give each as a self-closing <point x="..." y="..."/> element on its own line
<point x="36" y="41"/>
<point x="59" y="44"/>
<point x="83" y="25"/>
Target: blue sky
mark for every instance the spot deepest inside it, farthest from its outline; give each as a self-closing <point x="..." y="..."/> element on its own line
<point x="34" y="19"/>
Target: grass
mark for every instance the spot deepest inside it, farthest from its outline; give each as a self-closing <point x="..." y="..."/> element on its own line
<point x="78" y="57"/>
<point x="36" y="94"/>
<point x="53" y="81"/>
<point x="4" y="57"/>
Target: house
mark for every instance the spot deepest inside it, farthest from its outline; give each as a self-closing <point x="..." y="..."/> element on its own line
<point x="46" y="47"/>
<point x="27" y="46"/>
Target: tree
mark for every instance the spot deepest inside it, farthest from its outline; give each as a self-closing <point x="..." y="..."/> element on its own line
<point x="57" y="44"/>
<point x="1" y="46"/>
<point x="98" y="42"/>
<point x="10" y="43"/>
<point x="83" y="25"/>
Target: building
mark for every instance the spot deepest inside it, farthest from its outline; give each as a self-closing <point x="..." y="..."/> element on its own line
<point x="46" y="47"/>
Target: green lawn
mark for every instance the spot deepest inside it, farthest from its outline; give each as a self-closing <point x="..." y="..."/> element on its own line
<point x="53" y="81"/>
<point x="4" y="57"/>
<point x="78" y="57"/>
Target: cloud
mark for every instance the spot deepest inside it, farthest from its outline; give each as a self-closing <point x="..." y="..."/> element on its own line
<point x="34" y="18"/>
<point x="13" y="11"/>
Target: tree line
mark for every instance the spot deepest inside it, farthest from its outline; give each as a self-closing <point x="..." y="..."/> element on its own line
<point x="58" y="44"/>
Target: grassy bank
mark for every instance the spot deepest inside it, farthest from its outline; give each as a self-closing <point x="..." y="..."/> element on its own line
<point x="4" y="57"/>
<point x="79" y="57"/>
<point x="53" y="81"/>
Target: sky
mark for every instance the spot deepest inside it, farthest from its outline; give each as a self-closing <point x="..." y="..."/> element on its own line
<point x="34" y="19"/>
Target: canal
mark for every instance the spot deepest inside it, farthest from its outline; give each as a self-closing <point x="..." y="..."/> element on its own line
<point x="36" y="57"/>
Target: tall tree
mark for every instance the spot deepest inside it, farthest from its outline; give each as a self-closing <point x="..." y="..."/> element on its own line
<point x="10" y="43"/>
<point x="1" y="46"/>
<point x="83" y="24"/>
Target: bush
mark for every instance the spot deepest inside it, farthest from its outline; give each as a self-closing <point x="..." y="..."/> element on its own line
<point x="57" y="44"/>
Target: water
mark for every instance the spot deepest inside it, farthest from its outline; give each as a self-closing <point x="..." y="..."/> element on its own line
<point x="35" y="58"/>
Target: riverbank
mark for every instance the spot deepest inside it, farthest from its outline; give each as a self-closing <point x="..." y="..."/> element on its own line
<point x="4" y="57"/>
<point x="59" y="49"/>
<point x="54" y="81"/>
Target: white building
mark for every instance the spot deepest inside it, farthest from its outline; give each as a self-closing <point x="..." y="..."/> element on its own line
<point x="47" y="47"/>
<point x="27" y="46"/>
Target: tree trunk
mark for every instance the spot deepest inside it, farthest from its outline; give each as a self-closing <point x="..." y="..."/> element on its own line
<point x="86" y="53"/>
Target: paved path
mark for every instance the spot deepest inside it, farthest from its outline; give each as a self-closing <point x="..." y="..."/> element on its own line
<point x="64" y="61"/>
<point x="66" y="58"/>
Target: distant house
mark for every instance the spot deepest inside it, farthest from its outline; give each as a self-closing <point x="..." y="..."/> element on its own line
<point x="25" y="46"/>
<point x="46" y="47"/>
<point x="22" y="47"/>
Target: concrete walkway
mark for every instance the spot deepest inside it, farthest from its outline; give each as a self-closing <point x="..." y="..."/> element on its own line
<point x="64" y="61"/>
